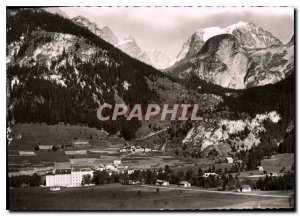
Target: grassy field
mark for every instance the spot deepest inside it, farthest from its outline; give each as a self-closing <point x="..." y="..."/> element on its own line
<point x="27" y="136"/>
<point x="43" y="134"/>
<point x="278" y="162"/>
<point x="126" y="197"/>
<point x="104" y="149"/>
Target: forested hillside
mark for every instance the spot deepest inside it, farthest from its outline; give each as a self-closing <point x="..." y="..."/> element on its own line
<point x="80" y="71"/>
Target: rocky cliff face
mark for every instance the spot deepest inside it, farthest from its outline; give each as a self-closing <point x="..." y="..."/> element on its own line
<point x="250" y="57"/>
<point x="270" y="65"/>
<point x="248" y="34"/>
<point x="221" y="61"/>
<point x="105" y="33"/>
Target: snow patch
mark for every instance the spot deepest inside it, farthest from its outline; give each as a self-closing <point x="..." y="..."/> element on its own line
<point x="126" y="85"/>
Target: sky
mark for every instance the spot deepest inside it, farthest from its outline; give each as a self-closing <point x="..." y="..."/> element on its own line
<point x="167" y="28"/>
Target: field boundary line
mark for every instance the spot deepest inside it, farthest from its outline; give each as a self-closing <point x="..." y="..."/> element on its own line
<point x="222" y="192"/>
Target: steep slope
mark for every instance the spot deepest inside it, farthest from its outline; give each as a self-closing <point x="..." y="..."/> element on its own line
<point x="252" y="36"/>
<point x="130" y="46"/>
<point x="248" y="34"/>
<point x="109" y="36"/>
<point x="105" y="33"/>
<point x="56" y="10"/>
<point x="270" y="65"/>
<point x="260" y="59"/>
<point x="58" y="71"/>
<point x="191" y="47"/>
<point x="221" y="61"/>
<point x="257" y="118"/>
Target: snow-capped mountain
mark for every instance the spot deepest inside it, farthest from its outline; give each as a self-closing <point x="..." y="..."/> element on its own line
<point x="221" y="61"/>
<point x="190" y="47"/>
<point x="154" y="57"/>
<point x="158" y="59"/>
<point x="109" y="36"/>
<point x="238" y="56"/>
<point x="105" y="33"/>
<point x="252" y="36"/>
<point x="130" y="46"/>
<point x="60" y="73"/>
<point x="270" y="65"/>
<point x="248" y="34"/>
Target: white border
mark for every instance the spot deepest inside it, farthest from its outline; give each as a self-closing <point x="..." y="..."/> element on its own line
<point x="5" y="3"/>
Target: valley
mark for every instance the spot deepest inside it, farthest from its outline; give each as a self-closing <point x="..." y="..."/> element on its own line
<point x="239" y="153"/>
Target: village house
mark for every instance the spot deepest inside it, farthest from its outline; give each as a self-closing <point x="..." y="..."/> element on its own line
<point x="184" y="184"/>
<point x="80" y="143"/>
<point x="117" y="162"/>
<point x="272" y="174"/>
<point x="132" y="182"/>
<point x="111" y="168"/>
<point x="147" y="150"/>
<point x="130" y="171"/>
<point x="162" y="182"/>
<point x="245" y="188"/>
<point x="27" y="153"/>
<point x="99" y="167"/>
<point x="209" y="174"/>
<point x="138" y="149"/>
<point x="123" y="150"/>
<point x="76" y="152"/>
<point x="135" y="149"/>
<point x="229" y="160"/>
<point x="45" y="147"/>
<point x="260" y="168"/>
<point x="238" y="162"/>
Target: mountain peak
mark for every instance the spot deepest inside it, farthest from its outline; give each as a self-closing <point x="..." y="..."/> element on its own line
<point x="81" y="19"/>
<point x="56" y="10"/>
<point x="248" y="34"/>
<point x="105" y="33"/>
<point x="237" y="25"/>
<point x="109" y="36"/>
<point x="291" y="42"/>
<point x="129" y="37"/>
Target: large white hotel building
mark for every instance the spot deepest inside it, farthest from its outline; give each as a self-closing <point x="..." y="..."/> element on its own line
<point x="66" y="177"/>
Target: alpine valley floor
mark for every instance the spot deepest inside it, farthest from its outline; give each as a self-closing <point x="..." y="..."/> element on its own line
<point x="128" y="197"/>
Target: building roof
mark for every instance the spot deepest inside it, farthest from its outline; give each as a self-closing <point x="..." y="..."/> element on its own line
<point x="184" y="182"/>
<point x="62" y="171"/>
<point x="79" y="142"/>
<point x="158" y="180"/>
